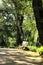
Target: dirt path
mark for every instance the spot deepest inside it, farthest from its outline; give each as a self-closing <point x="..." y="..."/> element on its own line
<point x="18" y="57"/>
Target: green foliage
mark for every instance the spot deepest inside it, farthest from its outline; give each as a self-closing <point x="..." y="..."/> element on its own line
<point x="9" y="11"/>
<point x="7" y="23"/>
<point x="40" y="50"/>
<point x="32" y="48"/>
<point x="29" y="26"/>
<point x="12" y="42"/>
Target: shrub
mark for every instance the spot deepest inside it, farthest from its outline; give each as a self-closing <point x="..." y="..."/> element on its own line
<point x="40" y="50"/>
<point x="12" y="42"/>
<point x="32" y="48"/>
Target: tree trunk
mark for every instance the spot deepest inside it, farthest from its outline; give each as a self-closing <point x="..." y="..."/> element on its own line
<point x="19" y="29"/>
<point x="38" y="12"/>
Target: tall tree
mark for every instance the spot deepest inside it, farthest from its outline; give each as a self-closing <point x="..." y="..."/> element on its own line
<point x="19" y="29"/>
<point x="19" y="20"/>
<point x="38" y="12"/>
<point x="20" y="6"/>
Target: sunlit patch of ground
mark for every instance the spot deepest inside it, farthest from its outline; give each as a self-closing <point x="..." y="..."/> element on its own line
<point x="19" y="57"/>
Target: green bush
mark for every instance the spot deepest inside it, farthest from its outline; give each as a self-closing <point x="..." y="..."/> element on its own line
<point x="12" y="42"/>
<point x="40" y="50"/>
<point x="32" y="48"/>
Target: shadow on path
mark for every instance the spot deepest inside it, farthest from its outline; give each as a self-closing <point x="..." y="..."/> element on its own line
<point x="18" y="57"/>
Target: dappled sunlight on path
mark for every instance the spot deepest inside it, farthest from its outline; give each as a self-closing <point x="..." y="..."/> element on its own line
<point x="18" y="57"/>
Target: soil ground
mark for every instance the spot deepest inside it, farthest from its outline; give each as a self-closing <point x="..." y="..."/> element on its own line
<point x="19" y="57"/>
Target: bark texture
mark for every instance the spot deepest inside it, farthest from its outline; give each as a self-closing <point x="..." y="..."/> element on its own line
<point x="19" y="29"/>
<point x="38" y="12"/>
